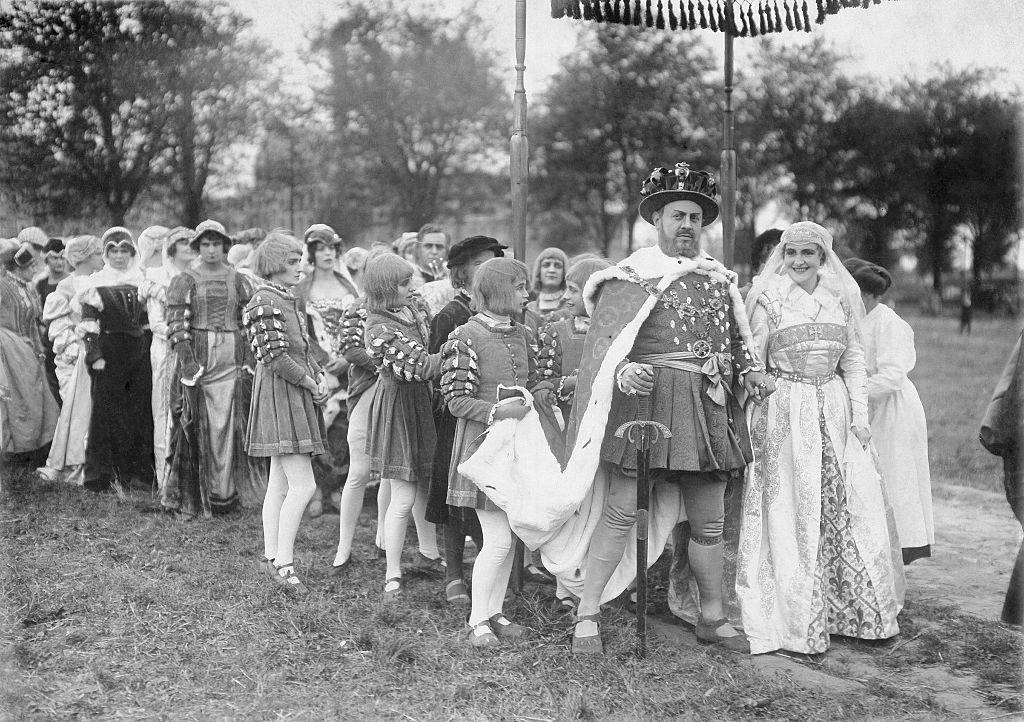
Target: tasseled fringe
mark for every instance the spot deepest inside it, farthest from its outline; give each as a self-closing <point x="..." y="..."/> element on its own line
<point x="703" y="17"/>
<point x="588" y="13"/>
<point x="692" y="17"/>
<point x="821" y="12"/>
<point x="807" y="19"/>
<point x="650" y="17"/>
<point x="721" y="18"/>
<point x="626" y="18"/>
<point x="617" y="12"/>
<point x="673" y="21"/>
<point x="789" y="17"/>
<point x="778" y="18"/>
<point x="660" y="22"/>
<point x="598" y="15"/>
<point x="750" y="20"/>
<point x="577" y="12"/>
<point x="760" y="18"/>
<point x="712" y="20"/>
<point x="636" y="13"/>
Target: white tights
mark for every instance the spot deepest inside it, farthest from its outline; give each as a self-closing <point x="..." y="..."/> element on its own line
<point x="492" y="567"/>
<point x="354" y="491"/>
<point x="289" y="488"/>
<point x="405" y="501"/>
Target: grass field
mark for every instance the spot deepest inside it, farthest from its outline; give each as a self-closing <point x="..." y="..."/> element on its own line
<point x="113" y="609"/>
<point x="955" y="376"/>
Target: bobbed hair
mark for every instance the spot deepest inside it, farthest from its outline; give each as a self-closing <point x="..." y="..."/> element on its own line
<point x="762" y="247"/>
<point x="581" y="271"/>
<point x="381" y="277"/>
<point x="494" y="285"/>
<point x="547" y="253"/>
<point x="872" y="278"/>
<point x="271" y="256"/>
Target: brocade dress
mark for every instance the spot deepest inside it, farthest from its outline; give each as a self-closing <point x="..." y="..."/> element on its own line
<point x="817" y="554"/>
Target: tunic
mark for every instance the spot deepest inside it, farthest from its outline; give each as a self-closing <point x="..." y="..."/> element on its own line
<point x="560" y="353"/>
<point x="478" y="357"/>
<point x="898" y="428"/>
<point x="208" y="468"/>
<point x="817" y="551"/>
<point x="694" y="318"/>
<point x="402" y="437"/>
<point x="115" y="328"/>
<point x="283" y="419"/>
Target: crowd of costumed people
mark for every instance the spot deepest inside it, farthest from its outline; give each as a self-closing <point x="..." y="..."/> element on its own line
<point x="484" y="400"/>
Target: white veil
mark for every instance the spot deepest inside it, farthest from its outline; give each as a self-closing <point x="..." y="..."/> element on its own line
<point x="832" y="274"/>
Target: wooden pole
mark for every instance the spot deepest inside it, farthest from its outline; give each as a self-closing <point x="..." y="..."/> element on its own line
<point x="728" y="156"/>
<point x="519" y="161"/>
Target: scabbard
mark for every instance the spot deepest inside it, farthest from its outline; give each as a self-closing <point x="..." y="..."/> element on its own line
<point x="643" y="505"/>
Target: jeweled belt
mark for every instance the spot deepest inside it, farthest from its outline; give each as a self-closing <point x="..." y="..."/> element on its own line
<point x="717" y="367"/>
<point x="801" y="378"/>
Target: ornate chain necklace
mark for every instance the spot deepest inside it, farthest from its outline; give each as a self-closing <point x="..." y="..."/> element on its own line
<point x="699" y="318"/>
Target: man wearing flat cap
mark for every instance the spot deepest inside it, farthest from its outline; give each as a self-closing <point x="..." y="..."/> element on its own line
<point x="669" y="342"/>
<point x="115" y="334"/>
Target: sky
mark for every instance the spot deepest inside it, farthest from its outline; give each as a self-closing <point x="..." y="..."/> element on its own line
<point x="889" y="40"/>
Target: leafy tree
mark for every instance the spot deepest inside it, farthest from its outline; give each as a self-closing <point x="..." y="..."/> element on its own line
<point x="415" y="102"/>
<point x="100" y="100"/>
<point x="621" y="104"/>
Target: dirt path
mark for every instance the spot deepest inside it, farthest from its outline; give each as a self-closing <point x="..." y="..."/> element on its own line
<point x="976" y="542"/>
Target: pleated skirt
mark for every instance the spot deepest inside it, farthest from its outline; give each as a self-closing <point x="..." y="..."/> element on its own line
<point x="283" y="418"/>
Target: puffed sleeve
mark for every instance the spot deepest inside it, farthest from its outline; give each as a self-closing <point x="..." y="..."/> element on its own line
<point x="406" y="357"/>
<point x="264" y="320"/>
<point x="460" y="379"/>
<point x="179" y="316"/>
<point x="895" y="358"/>
<point x="762" y="320"/>
<point x="353" y="331"/>
<point x="855" y="373"/>
<point x="59" y="322"/>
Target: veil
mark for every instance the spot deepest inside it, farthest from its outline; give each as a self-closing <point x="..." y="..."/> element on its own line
<point x="832" y="274"/>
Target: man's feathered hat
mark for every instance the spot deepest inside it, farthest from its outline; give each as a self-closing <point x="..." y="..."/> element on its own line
<point x="680" y="183"/>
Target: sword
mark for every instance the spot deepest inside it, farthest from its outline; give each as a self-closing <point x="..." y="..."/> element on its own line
<point x="644" y="434"/>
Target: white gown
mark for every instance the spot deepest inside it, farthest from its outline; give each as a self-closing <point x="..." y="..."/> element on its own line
<point x="817" y="551"/>
<point x="898" y="427"/>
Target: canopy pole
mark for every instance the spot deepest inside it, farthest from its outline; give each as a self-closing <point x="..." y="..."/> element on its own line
<point x="519" y="161"/>
<point x="728" y="157"/>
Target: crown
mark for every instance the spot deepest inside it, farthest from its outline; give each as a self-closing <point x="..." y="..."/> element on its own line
<point x="680" y="178"/>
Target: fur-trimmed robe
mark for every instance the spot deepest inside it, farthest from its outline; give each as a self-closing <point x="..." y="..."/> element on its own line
<point x="617" y="316"/>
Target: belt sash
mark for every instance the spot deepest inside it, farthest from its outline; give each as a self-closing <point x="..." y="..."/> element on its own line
<point x="717" y="368"/>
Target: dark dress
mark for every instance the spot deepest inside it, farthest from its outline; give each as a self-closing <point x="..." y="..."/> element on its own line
<point x="116" y="329"/>
<point x="449" y="318"/>
<point x="402" y="437"/>
<point x="43" y="289"/>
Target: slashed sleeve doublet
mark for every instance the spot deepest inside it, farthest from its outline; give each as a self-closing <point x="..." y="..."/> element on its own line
<point x="179" y="315"/>
<point x="407" y="358"/>
<point x="460" y="378"/>
<point x="264" y="319"/>
<point x="353" y="330"/>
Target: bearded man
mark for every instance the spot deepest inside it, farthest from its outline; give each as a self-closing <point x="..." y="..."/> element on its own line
<point x="676" y="314"/>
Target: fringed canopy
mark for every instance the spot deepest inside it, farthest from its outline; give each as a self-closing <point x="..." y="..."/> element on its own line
<point x="739" y="18"/>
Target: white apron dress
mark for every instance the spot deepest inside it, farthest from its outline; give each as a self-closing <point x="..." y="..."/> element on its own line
<point x="898" y="428"/>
